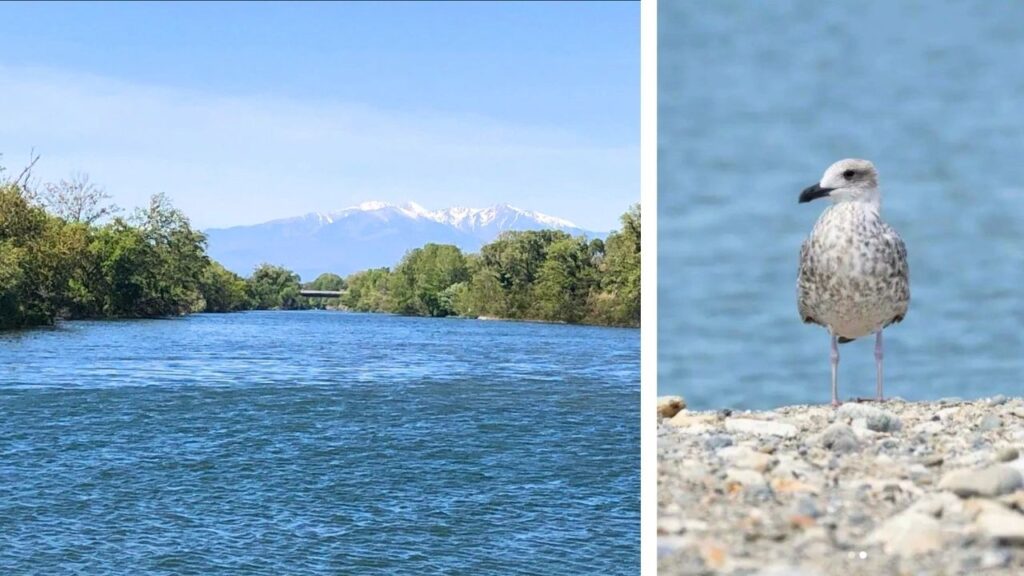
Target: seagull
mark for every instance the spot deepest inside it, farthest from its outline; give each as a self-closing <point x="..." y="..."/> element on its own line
<point x="853" y="276"/>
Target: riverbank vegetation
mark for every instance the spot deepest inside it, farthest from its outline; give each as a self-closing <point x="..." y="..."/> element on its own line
<point x="534" y="275"/>
<point x="67" y="252"/>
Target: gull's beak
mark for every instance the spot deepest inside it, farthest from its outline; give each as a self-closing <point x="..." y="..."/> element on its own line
<point x="814" y="192"/>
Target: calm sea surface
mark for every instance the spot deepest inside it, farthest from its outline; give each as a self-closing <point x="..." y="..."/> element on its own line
<point x="319" y="442"/>
<point x="756" y="100"/>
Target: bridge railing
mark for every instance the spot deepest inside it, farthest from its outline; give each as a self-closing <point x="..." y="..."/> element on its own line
<point x="321" y="293"/>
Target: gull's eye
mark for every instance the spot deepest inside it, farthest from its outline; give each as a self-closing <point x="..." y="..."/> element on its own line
<point x="848" y="174"/>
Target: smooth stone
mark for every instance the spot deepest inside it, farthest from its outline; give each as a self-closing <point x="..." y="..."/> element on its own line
<point x="686" y="420"/>
<point x="669" y="406"/>
<point x="946" y="413"/>
<point x="744" y="457"/>
<point x="909" y="534"/>
<point x="937" y="505"/>
<point x="1007" y="454"/>
<point x="806" y="506"/>
<point x="840" y="439"/>
<point x="670" y="525"/>
<point x="861" y="431"/>
<point x="929" y="428"/>
<point x="761" y="427"/>
<point x="783" y="570"/>
<point x="975" y="507"/>
<point x="995" y="559"/>
<point x="1006" y="526"/>
<point x="717" y="441"/>
<point x="874" y="418"/>
<point x="992" y="481"/>
<point x="695" y="429"/>
<point x="747" y="478"/>
<point x="990" y="422"/>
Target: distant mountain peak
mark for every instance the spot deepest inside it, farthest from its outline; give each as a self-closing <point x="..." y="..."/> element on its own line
<point x="369" y="234"/>
<point x="458" y="216"/>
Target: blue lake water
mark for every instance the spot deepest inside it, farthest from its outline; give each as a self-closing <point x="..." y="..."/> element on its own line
<point x="319" y="442"/>
<point x="755" y="101"/>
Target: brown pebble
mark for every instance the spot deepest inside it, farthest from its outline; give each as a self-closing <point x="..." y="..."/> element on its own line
<point x="1007" y="454"/>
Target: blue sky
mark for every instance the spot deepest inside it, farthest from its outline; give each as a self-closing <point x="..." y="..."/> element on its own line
<point x="247" y="112"/>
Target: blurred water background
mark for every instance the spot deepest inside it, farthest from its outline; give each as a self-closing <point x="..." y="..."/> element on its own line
<point x="756" y="99"/>
<point x="319" y="443"/>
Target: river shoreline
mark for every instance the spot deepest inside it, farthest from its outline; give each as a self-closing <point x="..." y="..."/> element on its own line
<point x="892" y="488"/>
<point x="57" y="321"/>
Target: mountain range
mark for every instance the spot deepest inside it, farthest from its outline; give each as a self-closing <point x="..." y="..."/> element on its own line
<point x="370" y="235"/>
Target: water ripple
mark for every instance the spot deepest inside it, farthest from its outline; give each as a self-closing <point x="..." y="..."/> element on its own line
<point x="313" y="443"/>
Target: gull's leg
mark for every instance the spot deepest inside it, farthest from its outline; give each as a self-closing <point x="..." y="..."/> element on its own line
<point x="878" y="365"/>
<point x="834" y="357"/>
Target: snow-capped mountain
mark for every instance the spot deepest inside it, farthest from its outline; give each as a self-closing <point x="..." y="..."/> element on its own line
<point x="370" y="235"/>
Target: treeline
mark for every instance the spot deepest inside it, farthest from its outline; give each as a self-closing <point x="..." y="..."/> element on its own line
<point x="537" y="275"/>
<point x="65" y="252"/>
<point x="61" y="263"/>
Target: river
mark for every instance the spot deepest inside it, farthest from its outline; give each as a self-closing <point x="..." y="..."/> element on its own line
<point x="319" y="442"/>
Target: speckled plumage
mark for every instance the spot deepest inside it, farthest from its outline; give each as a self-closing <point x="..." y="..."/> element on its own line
<point x="853" y="276"/>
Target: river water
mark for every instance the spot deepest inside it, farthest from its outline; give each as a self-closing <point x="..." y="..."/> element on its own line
<point x="319" y="442"/>
<point x="756" y="99"/>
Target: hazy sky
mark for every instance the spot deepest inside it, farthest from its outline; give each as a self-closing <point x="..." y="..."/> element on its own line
<point x="248" y="112"/>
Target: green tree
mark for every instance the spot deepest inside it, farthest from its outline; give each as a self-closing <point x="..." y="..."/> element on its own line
<point x="223" y="290"/>
<point x="619" y="302"/>
<point x="125" y="277"/>
<point x="514" y="261"/>
<point x="273" y="287"/>
<point x="565" y="280"/>
<point x="368" y="291"/>
<point x="424" y="274"/>
<point x="27" y="261"/>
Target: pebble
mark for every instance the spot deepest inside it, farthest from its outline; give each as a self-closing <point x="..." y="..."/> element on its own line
<point x="990" y="422"/>
<point x="699" y="423"/>
<point x="936" y="505"/>
<point x="716" y="441"/>
<point x="908" y="534"/>
<point x="761" y="427"/>
<point x="992" y="481"/>
<point x="992" y="559"/>
<point x="806" y="506"/>
<point x="1007" y="454"/>
<point x="840" y="439"/>
<point x="998" y="400"/>
<point x="670" y="525"/>
<point x="786" y="570"/>
<point x="874" y="418"/>
<point x="747" y="478"/>
<point x="781" y="492"/>
<point x="744" y="457"/>
<point x="1004" y="526"/>
<point x="669" y="406"/>
<point x="930" y="428"/>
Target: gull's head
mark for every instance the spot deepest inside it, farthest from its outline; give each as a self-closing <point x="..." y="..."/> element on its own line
<point x="849" y="180"/>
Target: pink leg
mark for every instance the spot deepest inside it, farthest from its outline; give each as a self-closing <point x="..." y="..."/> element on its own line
<point x="834" y="357"/>
<point x="878" y="366"/>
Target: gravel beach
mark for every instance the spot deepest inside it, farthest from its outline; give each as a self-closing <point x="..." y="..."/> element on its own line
<point x="867" y="488"/>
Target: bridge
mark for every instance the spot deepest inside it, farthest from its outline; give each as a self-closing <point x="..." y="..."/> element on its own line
<point x="321" y="293"/>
